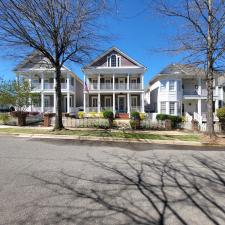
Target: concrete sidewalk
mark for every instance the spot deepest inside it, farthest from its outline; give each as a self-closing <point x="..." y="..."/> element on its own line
<point x="109" y="139"/>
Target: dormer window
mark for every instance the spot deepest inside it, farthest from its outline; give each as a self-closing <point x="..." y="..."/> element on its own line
<point x="114" y="61"/>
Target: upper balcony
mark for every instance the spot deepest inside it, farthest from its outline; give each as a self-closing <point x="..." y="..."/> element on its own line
<point x="117" y="86"/>
<point x="198" y="93"/>
<point x="50" y="87"/>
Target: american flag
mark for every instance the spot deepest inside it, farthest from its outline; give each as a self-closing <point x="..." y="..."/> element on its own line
<point x="86" y="86"/>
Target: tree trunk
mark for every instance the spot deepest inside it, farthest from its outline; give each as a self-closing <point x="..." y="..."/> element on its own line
<point x="210" y="70"/>
<point x="58" y="116"/>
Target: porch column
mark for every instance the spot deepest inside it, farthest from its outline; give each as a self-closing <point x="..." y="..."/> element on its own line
<point x="128" y="81"/>
<point x="158" y="107"/>
<point x="42" y="102"/>
<point x="68" y="102"/>
<point x="42" y="81"/>
<point x="217" y="91"/>
<point x="142" y="103"/>
<point x="175" y="108"/>
<point x="99" y="81"/>
<point x="142" y="81"/>
<point x="54" y="88"/>
<point x="114" y="105"/>
<point x="74" y="102"/>
<point x="113" y="81"/>
<point x="99" y="103"/>
<point x="85" y="110"/>
<point x="199" y="86"/>
<point x="128" y="103"/>
<point x="199" y="106"/>
<point x="181" y="108"/>
<point x="68" y="82"/>
<point x="216" y="105"/>
<point x="168" y="108"/>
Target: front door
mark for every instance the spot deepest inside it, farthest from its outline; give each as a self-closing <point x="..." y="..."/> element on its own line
<point x="121" y="104"/>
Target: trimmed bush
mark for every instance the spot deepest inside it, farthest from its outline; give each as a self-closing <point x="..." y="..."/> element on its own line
<point x="142" y="116"/>
<point x="133" y="124"/>
<point x="135" y="115"/>
<point x="108" y="114"/>
<point x="175" y="120"/>
<point x="4" y="117"/>
<point x="220" y="113"/>
<point x="80" y="115"/>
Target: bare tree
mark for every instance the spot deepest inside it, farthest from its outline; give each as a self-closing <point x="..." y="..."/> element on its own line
<point x="201" y="38"/>
<point x="61" y="30"/>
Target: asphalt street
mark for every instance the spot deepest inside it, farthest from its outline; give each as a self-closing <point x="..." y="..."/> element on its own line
<point x="46" y="181"/>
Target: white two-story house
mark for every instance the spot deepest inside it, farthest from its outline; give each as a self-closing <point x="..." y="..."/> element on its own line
<point x="41" y="76"/>
<point x="114" y="81"/>
<point x="180" y="89"/>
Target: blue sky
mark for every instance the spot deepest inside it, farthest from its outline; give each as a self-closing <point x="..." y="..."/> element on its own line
<point x="138" y="32"/>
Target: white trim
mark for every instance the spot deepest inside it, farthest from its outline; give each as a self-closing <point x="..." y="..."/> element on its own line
<point x="118" y="51"/>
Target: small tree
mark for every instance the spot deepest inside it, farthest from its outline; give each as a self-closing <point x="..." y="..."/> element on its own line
<point x="19" y="95"/>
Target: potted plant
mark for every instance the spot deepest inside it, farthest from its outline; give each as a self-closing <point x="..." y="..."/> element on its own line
<point x="109" y="115"/>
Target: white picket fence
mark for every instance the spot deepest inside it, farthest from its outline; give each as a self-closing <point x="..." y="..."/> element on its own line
<point x="202" y="127"/>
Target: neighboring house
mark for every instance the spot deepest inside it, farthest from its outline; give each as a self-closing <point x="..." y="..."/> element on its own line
<point x="41" y="76"/>
<point x="180" y="89"/>
<point x="114" y="81"/>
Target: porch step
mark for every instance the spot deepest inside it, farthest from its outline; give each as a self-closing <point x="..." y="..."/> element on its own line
<point x="122" y="115"/>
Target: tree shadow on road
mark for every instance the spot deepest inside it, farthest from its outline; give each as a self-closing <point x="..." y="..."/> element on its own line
<point x="127" y="190"/>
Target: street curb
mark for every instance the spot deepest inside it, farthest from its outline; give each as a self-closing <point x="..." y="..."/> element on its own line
<point x="109" y="139"/>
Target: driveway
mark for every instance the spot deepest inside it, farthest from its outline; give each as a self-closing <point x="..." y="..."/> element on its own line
<point x="72" y="182"/>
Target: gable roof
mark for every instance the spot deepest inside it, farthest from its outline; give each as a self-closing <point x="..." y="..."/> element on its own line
<point x="179" y="71"/>
<point x="118" y="51"/>
<point x="28" y="59"/>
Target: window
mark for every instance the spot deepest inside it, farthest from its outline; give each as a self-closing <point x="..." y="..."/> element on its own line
<point x="134" y="101"/>
<point x="107" y="101"/>
<point x="163" y="107"/>
<point x="163" y="85"/>
<point x="95" y="84"/>
<point x="172" y="108"/>
<point x="113" y="61"/>
<point x="171" y="85"/>
<point x="108" y="83"/>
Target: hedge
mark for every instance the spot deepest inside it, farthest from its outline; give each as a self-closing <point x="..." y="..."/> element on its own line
<point x="175" y="120"/>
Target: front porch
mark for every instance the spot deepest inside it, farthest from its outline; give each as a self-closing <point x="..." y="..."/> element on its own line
<point x="197" y="109"/>
<point x="119" y="103"/>
<point x="47" y="103"/>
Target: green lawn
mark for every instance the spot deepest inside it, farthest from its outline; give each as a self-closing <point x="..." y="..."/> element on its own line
<point x="102" y="133"/>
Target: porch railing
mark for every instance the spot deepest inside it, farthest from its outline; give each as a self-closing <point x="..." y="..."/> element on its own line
<point x="119" y="86"/>
<point x="135" y="109"/>
<point x="48" y="86"/>
<point x="49" y="109"/>
<point x="135" y="86"/>
<point x="36" y="86"/>
<point x="106" y="108"/>
<point x="106" y="86"/>
<point x="91" y="109"/>
<point x="190" y="92"/>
